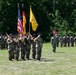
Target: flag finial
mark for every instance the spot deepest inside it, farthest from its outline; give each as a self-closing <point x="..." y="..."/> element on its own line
<point x="18" y="4"/>
<point x="22" y="5"/>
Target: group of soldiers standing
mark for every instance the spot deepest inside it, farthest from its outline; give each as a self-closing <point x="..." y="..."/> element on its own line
<point x="3" y="44"/>
<point x="62" y="41"/>
<point x="65" y="41"/>
<point x="19" y="46"/>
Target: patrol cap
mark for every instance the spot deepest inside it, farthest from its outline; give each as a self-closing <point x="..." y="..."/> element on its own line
<point x="40" y="34"/>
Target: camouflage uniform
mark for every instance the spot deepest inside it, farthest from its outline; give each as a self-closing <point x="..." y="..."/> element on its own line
<point x="33" y="47"/>
<point x="61" y="41"/>
<point x="28" y="46"/>
<point x="75" y="40"/>
<point x="5" y="42"/>
<point x="2" y="42"/>
<point x="68" y="41"/>
<point x="57" y="41"/>
<point x="16" y="48"/>
<point x="52" y="39"/>
<point x="39" y="46"/>
<point x="23" y="48"/>
<point x="72" y="41"/>
<point x="10" y="49"/>
<point x="65" y="41"/>
<point x="54" y="43"/>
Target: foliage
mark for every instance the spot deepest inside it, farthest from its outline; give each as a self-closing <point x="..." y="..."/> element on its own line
<point x="50" y="15"/>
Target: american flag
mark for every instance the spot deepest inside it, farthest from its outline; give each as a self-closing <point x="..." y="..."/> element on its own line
<point x="19" y="25"/>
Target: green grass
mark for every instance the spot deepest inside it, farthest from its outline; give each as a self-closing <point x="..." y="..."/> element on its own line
<point x="63" y="62"/>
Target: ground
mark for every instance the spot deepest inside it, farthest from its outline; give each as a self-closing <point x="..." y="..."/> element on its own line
<point x="63" y="62"/>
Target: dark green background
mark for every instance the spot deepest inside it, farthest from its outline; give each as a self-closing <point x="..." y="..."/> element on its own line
<point x="50" y="15"/>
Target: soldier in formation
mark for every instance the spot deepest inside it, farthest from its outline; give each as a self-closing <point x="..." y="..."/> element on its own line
<point x="61" y="41"/>
<point x="72" y="41"/>
<point x="39" y="45"/>
<point x="33" y="44"/>
<point x="54" y="42"/>
<point x="75" y="40"/>
<point x="22" y="45"/>
<point x="3" y="42"/>
<point x="27" y="40"/>
<point x="16" y="47"/>
<point x="65" y="41"/>
<point x="10" y="43"/>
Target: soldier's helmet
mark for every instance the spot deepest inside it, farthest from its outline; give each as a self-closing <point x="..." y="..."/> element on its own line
<point x="11" y="35"/>
<point x="40" y="34"/>
<point x="34" y="35"/>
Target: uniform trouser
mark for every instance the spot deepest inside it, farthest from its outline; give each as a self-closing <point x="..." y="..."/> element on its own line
<point x="68" y="44"/>
<point x="61" y="44"/>
<point x="75" y="43"/>
<point x="17" y="53"/>
<point x="27" y="51"/>
<point x="33" y="52"/>
<point x="2" y="45"/>
<point x="65" y="44"/>
<point x="23" y="52"/>
<point x="57" y="44"/>
<point x="39" y="51"/>
<point x="72" y="44"/>
<point x="54" y="47"/>
<point x="10" y="54"/>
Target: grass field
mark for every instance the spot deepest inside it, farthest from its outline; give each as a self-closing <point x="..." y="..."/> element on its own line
<point x="63" y="62"/>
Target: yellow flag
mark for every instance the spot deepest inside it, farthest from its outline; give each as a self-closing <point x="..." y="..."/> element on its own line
<point x="33" y="20"/>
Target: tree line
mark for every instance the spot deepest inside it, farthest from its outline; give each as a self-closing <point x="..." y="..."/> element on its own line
<point x="50" y="15"/>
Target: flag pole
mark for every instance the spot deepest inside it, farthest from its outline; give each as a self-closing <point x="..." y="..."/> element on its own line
<point x="29" y="22"/>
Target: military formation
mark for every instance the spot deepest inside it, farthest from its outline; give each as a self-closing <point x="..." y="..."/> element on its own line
<point x="64" y="41"/>
<point x="20" y="46"/>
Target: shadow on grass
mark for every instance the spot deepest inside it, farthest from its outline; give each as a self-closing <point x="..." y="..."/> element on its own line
<point x="60" y="52"/>
<point x="47" y="60"/>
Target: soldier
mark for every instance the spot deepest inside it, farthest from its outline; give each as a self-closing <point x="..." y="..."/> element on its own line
<point x="10" y="47"/>
<point x="27" y="40"/>
<point x="72" y="41"/>
<point x="0" y="41"/>
<point x="64" y="41"/>
<point x="75" y="40"/>
<point x="61" y="41"/>
<point x="57" y="41"/>
<point x="22" y="46"/>
<point x="39" y="46"/>
<point x="54" y="43"/>
<point x="33" y="47"/>
<point x="5" y="42"/>
<point x="16" y="47"/>
<point x="52" y="39"/>
<point x="68" y="41"/>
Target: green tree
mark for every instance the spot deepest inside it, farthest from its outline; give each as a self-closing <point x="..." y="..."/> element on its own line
<point x="50" y="14"/>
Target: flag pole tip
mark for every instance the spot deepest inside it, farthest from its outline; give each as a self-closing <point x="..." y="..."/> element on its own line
<point x="22" y="5"/>
<point x="18" y="4"/>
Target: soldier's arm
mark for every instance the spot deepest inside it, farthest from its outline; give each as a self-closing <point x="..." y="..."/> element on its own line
<point x="36" y="38"/>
